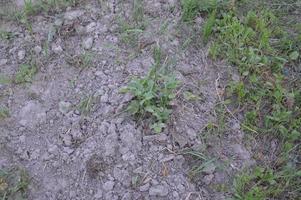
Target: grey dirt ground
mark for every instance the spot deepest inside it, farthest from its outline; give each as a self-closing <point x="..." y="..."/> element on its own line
<point x="100" y="152"/>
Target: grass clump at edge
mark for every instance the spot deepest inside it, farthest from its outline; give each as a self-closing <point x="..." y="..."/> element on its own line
<point x="262" y="51"/>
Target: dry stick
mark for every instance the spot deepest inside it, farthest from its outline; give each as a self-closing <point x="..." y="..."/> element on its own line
<point x="227" y="109"/>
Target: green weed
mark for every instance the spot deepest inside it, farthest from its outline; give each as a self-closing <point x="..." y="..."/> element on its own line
<point x="86" y="104"/>
<point x="138" y="11"/>
<point x="25" y="73"/>
<point x="201" y="162"/>
<point x="208" y="26"/>
<point x="153" y="95"/>
<point x="255" y="43"/>
<point x="4" y="80"/>
<point x="190" y="9"/>
<point x="4" y="112"/>
<point x="13" y="184"/>
<point x="81" y="61"/>
<point x="6" y="35"/>
<point x="264" y="183"/>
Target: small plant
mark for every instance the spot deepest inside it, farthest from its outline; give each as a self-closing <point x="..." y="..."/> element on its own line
<point x="153" y="95"/>
<point x="5" y="35"/>
<point x="13" y="184"/>
<point x="138" y="11"/>
<point x="263" y="183"/>
<point x="4" y="112"/>
<point x="208" y="26"/>
<point x="256" y="44"/>
<point x="86" y="104"/>
<point x="190" y="9"/>
<point x="4" y="79"/>
<point x="25" y="73"/>
<point x="82" y="61"/>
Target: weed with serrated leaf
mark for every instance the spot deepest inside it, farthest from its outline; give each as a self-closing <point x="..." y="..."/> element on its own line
<point x="153" y="95"/>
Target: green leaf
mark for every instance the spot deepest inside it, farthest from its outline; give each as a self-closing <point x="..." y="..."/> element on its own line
<point x="157" y="127"/>
<point x="294" y="55"/>
<point x="133" y="107"/>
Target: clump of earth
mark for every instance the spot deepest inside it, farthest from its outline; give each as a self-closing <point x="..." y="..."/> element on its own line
<point x="104" y="153"/>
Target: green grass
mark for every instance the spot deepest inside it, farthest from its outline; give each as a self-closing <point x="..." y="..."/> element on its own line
<point x="85" y="105"/>
<point x="260" y="39"/>
<point x="4" y="112"/>
<point x="4" y="79"/>
<point x="32" y="8"/>
<point x="190" y="9"/>
<point x="6" y="35"/>
<point x="131" y="29"/>
<point x="13" y="184"/>
<point x="25" y="73"/>
<point x="81" y="61"/>
<point x="153" y="94"/>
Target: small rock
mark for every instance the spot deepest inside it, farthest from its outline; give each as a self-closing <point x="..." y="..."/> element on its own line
<point x="21" y="54"/>
<point x="91" y="27"/>
<point x="158" y="190"/>
<point x="32" y="114"/>
<point x="80" y="30"/>
<point x="99" y="73"/>
<point x="64" y="107"/>
<point x="53" y="149"/>
<point x="51" y="33"/>
<point x="58" y="22"/>
<point x="235" y="77"/>
<point x="161" y="138"/>
<point x="109" y="185"/>
<point x="37" y="49"/>
<point x="168" y="158"/>
<point x="22" y="138"/>
<point x="208" y="178"/>
<point x="104" y="98"/>
<point x="110" y="144"/>
<point x="144" y="188"/>
<point x="71" y="15"/>
<point x="187" y="69"/>
<point x="192" y="134"/>
<point x="67" y="140"/>
<point x="3" y="62"/>
<point x="241" y="152"/>
<point x="68" y="150"/>
<point x="98" y="194"/>
<point x="56" y="48"/>
<point x="87" y="43"/>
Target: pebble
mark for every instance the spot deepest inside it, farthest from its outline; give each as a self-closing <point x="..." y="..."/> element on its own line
<point x="37" y="49"/>
<point x="56" y="48"/>
<point x="208" y="178"/>
<point x="241" y="152"/>
<point x="67" y="140"/>
<point x="158" y="190"/>
<point x="144" y="188"/>
<point x="91" y="27"/>
<point x="71" y="15"/>
<point x="87" y="43"/>
<point x="3" y="62"/>
<point x="58" y="22"/>
<point x="21" y="54"/>
<point x="64" y="107"/>
<point x="98" y="194"/>
<point x="109" y="185"/>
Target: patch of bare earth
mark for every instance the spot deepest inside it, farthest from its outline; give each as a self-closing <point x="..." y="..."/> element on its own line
<point x="104" y="153"/>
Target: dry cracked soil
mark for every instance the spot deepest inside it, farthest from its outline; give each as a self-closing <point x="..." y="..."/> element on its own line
<point x="75" y="151"/>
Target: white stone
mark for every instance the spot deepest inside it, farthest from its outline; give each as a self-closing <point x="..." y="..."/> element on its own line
<point x="87" y="43"/>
